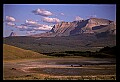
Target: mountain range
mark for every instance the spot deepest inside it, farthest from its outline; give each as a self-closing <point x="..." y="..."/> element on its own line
<point x="97" y="26"/>
<point x="84" y="35"/>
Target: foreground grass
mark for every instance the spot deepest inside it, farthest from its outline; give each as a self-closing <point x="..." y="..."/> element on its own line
<point x="14" y="53"/>
<point x="49" y="77"/>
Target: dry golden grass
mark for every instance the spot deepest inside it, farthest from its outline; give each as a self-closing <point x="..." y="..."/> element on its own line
<point x="15" y="53"/>
<point x="50" y="77"/>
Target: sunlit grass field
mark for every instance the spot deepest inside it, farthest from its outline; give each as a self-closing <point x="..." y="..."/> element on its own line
<point x="14" y="53"/>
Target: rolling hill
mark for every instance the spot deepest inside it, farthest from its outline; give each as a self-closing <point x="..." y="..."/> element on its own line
<point x="14" y="53"/>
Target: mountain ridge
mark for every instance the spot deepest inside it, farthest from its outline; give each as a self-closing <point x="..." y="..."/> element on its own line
<point x="92" y="25"/>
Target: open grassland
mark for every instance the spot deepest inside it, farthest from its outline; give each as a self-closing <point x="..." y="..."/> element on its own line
<point x="14" y="53"/>
<point x="21" y="64"/>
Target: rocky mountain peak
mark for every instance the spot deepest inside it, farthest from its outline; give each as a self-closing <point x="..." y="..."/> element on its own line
<point x="92" y="25"/>
<point x="99" y="21"/>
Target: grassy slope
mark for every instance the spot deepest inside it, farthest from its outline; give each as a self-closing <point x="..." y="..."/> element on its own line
<point x="12" y="53"/>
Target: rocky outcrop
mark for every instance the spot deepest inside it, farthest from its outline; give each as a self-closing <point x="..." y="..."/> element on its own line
<point x="64" y="28"/>
<point x="92" y="25"/>
<point x="95" y="23"/>
<point x="12" y="34"/>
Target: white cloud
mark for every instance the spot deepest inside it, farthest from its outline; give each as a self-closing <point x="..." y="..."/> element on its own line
<point x="30" y="22"/>
<point x="10" y="24"/>
<point x="43" y="27"/>
<point x="51" y="20"/>
<point x="31" y="25"/>
<point x="10" y="19"/>
<point x="37" y="27"/>
<point x="22" y="27"/>
<point x="77" y="18"/>
<point x="42" y="12"/>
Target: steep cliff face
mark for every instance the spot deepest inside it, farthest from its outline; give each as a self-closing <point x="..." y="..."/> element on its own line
<point x="95" y="24"/>
<point x="64" y="28"/>
<point x="92" y="25"/>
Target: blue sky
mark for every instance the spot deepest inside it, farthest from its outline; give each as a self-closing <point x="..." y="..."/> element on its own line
<point x="27" y="19"/>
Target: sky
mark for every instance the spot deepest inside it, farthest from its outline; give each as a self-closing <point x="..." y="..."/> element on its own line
<point x="27" y="19"/>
